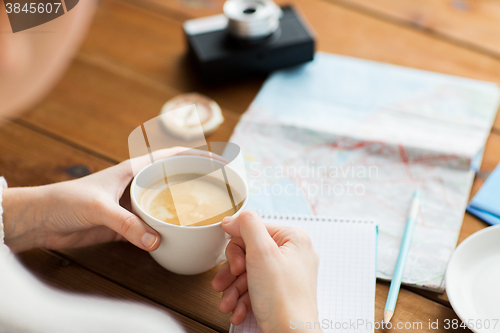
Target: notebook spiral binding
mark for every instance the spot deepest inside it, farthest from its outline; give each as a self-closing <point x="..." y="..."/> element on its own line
<point x="276" y="216"/>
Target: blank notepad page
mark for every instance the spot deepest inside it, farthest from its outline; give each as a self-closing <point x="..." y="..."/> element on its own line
<point x="346" y="276"/>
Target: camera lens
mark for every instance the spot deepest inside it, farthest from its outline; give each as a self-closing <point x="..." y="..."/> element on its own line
<point x="252" y="19"/>
<point x="249" y="11"/>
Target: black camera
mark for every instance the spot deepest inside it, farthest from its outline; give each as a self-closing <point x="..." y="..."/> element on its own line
<point x="252" y="37"/>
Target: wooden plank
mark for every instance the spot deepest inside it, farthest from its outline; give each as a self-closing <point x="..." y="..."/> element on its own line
<point x="183" y="9"/>
<point x="473" y="24"/>
<point x="28" y="158"/>
<point x="63" y="274"/>
<point x="412" y="309"/>
<point x="97" y="109"/>
<point x="152" y="46"/>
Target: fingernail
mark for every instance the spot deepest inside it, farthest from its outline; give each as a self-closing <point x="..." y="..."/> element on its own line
<point x="227" y="219"/>
<point x="149" y="240"/>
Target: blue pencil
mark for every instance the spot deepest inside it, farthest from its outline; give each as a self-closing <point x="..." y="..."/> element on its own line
<point x="403" y="253"/>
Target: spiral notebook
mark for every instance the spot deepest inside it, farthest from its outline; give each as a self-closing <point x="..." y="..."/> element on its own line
<point x="346" y="276"/>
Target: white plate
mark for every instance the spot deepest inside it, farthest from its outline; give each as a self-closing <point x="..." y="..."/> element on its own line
<point x="473" y="280"/>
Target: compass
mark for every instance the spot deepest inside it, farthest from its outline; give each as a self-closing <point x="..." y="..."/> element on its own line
<point x="184" y="121"/>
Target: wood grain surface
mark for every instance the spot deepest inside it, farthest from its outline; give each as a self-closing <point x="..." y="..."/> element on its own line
<point x="133" y="61"/>
<point x="470" y="23"/>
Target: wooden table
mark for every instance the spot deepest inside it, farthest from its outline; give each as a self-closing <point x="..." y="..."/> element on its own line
<point x="133" y="61"/>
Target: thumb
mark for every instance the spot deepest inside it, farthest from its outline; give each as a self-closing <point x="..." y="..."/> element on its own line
<point x="250" y="227"/>
<point x="132" y="228"/>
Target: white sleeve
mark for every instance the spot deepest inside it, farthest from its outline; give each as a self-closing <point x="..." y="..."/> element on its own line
<point x="3" y="248"/>
<point x="28" y="306"/>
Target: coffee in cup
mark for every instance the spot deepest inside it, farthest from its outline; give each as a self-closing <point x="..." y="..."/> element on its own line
<point x="199" y="199"/>
<point x="186" y="248"/>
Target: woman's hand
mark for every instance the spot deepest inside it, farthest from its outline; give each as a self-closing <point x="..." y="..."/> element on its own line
<point x="271" y="270"/>
<point x="79" y="212"/>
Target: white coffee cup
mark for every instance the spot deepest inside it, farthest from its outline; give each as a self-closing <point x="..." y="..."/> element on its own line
<point x="187" y="250"/>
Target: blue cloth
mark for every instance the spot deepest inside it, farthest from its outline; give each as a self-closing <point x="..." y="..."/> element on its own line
<point x="486" y="203"/>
